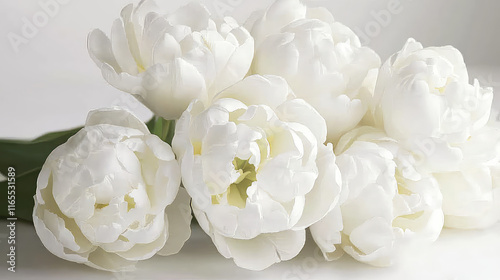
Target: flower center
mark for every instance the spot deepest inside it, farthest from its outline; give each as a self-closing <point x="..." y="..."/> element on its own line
<point x="236" y="194"/>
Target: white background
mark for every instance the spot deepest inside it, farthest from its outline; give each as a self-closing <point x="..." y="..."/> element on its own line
<point x="49" y="83"/>
<point x="52" y="76"/>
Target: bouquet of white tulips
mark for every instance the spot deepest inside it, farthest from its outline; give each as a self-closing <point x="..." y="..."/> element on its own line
<point x="263" y="130"/>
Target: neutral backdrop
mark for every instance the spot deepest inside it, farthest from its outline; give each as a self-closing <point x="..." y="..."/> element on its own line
<point x="49" y="83"/>
<point x="50" y="75"/>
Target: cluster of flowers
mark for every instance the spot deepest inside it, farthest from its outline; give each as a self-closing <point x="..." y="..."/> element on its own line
<point x="282" y="125"/>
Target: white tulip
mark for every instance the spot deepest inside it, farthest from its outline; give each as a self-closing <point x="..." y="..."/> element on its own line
<point x="257" y="170"/>
<point x="110" y="196"/>
<point x="426" y="102"/>
<point x="321" y="59"/>
<point x="471" y="193"/>
<point x="385" y="200"/>
<point x="167" y="60"/>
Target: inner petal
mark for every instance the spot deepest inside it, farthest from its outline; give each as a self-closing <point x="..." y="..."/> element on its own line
<point x="236" y="194"/>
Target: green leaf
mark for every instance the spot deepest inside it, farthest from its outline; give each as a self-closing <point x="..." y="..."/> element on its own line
<point x="28" y="155"/>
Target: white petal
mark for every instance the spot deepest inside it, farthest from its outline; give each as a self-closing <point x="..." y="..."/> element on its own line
<point x="326" y="192"/>
<point x="168" y="89"/>
<point x="259" y="90"/>
<point x="121" y="48"/>
<point x="116" y="116"/>
<point x="264" y="250"/>
<point x="299" y="111"/>
<point x="194" y="15"/>
<point x="144" y="251"/>
<point x="52" y="243"/>
<point x="372" y="243"/>
<point x="279" y="14"/>
<point x="178" y="217"/>
<point x="236" y="66"/>
<point x="103" y="260"/>
<point x="100" y="50"/>
<point x="148" y="233"/>
<point x="327" y="233"/>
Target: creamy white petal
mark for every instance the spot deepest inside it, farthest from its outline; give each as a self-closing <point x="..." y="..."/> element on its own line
<point x="324" y="197"/>
<point x="300" y="111"/>
<point x="52" y="243"/>
<point x="108" y="261"/>
<point x="263" y="251"/>
<point x="116" y="116"/>
<point x="180" y="79"/>
<point x="100" y="49"/>
<point x="327" y="233"/>
<point x="178" y="217"/>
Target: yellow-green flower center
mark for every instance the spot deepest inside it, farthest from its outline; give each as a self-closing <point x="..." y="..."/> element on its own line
<point x="236" y="194"/>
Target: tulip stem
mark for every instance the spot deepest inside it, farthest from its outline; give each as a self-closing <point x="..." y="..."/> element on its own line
<point x="169" y="131"/>
<point x="165" y="129"/>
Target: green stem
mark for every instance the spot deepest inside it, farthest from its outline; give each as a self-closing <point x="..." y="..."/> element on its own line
<point x="171" y="132"/>
<point x="164" y="129"/>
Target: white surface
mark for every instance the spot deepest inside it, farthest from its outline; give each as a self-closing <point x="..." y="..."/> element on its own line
<point x="457" y="255"/>
<point x="51" y="84"/>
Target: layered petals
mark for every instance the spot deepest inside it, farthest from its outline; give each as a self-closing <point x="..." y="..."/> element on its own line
<point x="384" y="200"/>
<point x="424" y="99"/>
<point x="321" y="59"/>
<point x="107" y="197"/>
<point x="257" y="170"/>
<point x="166" y="60"/>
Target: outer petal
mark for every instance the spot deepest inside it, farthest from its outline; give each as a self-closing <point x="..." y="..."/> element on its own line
<point x="238" y="63"/>
<point x="168" y="176"/>
<point x="298" y="110"/>
<point x="195" y="15"/>
<point x="116" y="116"/>
<point x="52" y="243"/>
<point x="144" y="251"/>
<point x="262" y="251"/>
<point x="341" y="114"/>
<point x="178" y="217"/>
<point x="109" y="261"/>
<point x="327" y="234"/>
<point x="259" y="90"/>
<point x="123" y="81"/>
<point x="280" y="14"/>
<point x="100" y="50"/>
<point x="168" y="89"/>
<point x="121" y="49"/>
<point x="326" y="192"/>
<point x="372" y="242"/>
